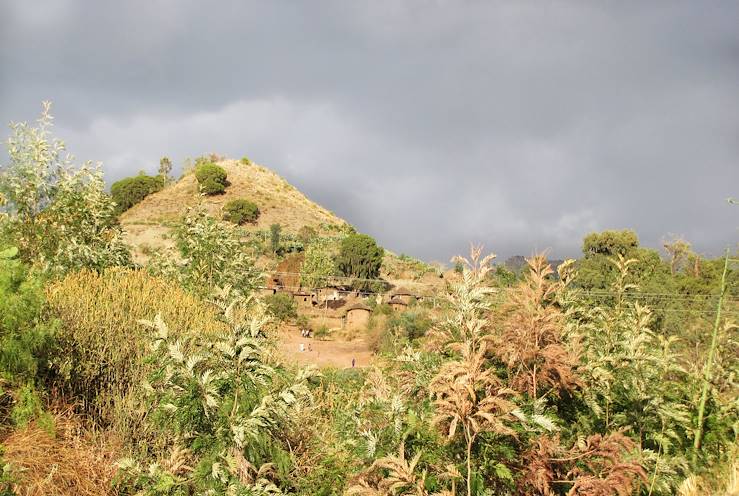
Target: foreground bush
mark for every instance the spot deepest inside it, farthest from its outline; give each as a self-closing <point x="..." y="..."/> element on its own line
<point x="211" y="178"/>
<point x="59" y="215"/>
<point x="102" y="346"/>
<point x="26" y="344"/>
<point x="221" y="411"/>
<point x="215" y="257"/>
<point x="240" y="211"/>
<point x="129" y="191"/>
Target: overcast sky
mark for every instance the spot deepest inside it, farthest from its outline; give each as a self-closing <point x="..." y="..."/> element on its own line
<point x="427" y="124"/>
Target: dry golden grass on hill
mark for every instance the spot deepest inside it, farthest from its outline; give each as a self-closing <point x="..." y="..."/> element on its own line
<point x="148" y="223"/>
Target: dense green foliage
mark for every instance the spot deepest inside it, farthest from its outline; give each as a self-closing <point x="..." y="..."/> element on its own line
<point x="221" y="408"/>
<point x="281" y="306"/>
<point x="240" y="211"/>
<point x="26" y="343"/>
<point x="215" y="257"/>
<point x="360" y="257"/>
<point x="21" y="339"/>
<point x="129" y="191"/>
<point x="211" y="178"/>
<point x="318" y="266"/>
<point x="610" y="243"/>
<point x="275" y="232"/>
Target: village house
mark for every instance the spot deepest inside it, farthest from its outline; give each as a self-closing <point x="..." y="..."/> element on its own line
<point x="403" y="295"/>
<point x="303" y="299"/>
<point x="398" y="304"/>
<point x="357" y="316"/>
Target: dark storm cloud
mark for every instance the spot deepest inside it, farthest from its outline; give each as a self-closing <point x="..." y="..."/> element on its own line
<point x="426" y="124"/>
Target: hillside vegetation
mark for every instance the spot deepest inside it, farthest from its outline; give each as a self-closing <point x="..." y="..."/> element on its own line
<point x="611" y="375"/>
<point x="148" y="223"/>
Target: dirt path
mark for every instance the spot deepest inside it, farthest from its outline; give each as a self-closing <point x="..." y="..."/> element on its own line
<point x="335" y="353"/>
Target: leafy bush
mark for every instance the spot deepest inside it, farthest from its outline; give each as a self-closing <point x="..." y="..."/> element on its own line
<point x="212" y="178"/>
<point x="275" y="230"/>
<point x="302" y="322"/>
<point x="281" y="306"/>
<point x="322" y="333"/>
<point x="26" y="343"/>
<point x="223" y="409"/>
<point x="215" y="257"/>
<point x="24" y="337"/>
<point x="129" y="191"/>
<point x="59" y="215"/>
<point x="240" y="211"/>
<point x="360" y="257"/>
<point x="318" y="266"/>
<point x="413" y="323"/>
<point x="307" y="234"/>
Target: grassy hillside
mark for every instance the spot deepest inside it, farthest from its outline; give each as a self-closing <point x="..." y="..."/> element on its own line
<point x="148" y="223"/>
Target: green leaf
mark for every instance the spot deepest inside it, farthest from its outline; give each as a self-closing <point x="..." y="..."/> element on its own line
<point x="8" y="253"/>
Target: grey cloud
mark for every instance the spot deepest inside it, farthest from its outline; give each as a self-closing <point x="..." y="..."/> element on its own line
<point x="519" y="124"/>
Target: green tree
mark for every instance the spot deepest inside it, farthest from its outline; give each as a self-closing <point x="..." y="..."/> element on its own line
<point x="281" y="306"/>
<point x="360" y="257"/>
<point x="59" y="214"/>
<point x="318" y="266"/>
<point x="165" y="169"/>
<point x="610" y="243"/>
<point x="274" y="237"/>
<point x="212" y="178"/>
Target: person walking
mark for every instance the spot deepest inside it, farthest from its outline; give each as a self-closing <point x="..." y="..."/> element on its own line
<point x="353" y="362"/>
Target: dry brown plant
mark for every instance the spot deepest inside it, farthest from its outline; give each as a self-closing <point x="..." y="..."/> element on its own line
<point x="399" y="479"/>
<point x="531" y="341"/>
<point x="62" y="463"/>
<point x="596" y="466"/>
<point x="725" y="483"/>
<point x="470" y="397"/>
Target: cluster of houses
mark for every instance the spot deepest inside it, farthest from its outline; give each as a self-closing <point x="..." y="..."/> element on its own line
<point x="339" y="307"/>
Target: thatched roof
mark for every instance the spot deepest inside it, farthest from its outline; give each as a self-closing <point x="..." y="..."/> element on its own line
<point x="358" y="306"/>
<point x="402" y="292"/>
<point x="397" y="301"/>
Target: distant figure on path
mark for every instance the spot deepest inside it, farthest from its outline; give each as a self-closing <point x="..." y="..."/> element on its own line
<point x="302" y="347"/>
<point x="353" y="362"/>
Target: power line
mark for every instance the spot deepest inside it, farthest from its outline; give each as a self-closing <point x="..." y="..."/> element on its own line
<point x="594" y="293"/>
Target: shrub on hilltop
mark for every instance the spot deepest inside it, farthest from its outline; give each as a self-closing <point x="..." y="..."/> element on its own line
<point x="212" y="178"/>
<point x="129" y="191"/>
